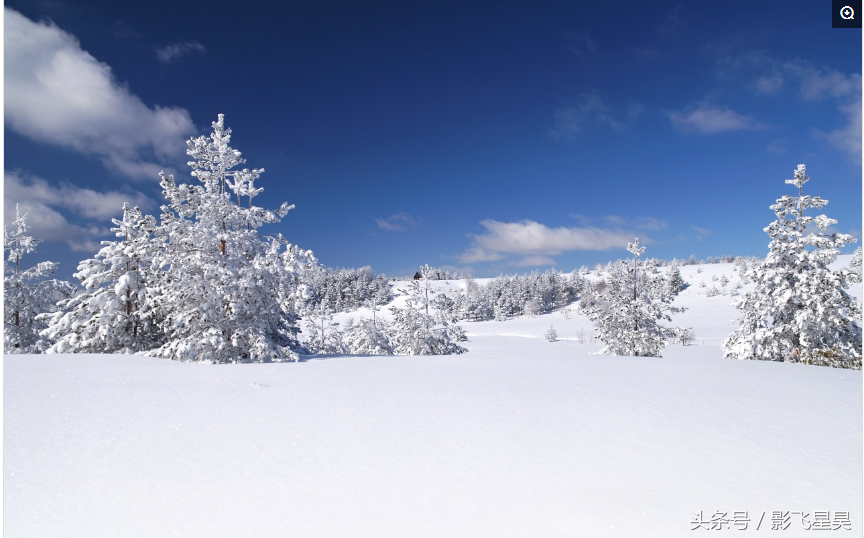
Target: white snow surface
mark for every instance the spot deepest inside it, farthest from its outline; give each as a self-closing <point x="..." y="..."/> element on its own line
<point x="518" y="437"/>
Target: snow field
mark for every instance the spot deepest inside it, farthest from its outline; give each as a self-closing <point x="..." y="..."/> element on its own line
<point x="517" y="437"/>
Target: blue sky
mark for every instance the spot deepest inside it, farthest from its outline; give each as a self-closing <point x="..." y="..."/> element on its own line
<point x="486" y="136"/>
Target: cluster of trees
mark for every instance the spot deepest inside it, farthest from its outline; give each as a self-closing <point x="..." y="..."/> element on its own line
<point x="201" y="284"/>
<point x="413" y="331"/>
<point x="198" y="284"/>
<point x="508" y="296"/>
<point x="436" y="273"/>
<point x="344" y="290"/>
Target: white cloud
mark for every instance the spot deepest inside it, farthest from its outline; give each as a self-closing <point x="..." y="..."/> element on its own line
<point x="398" y="222"/>
<point x="59" y="94"/>
<point x="589" y="110"/>
<point x="529" y="238"/>
<point x="477" y="254"/>
<point x="534" y="261"/>
<point x="42" y="202"/>
<point x="710" y="120"/>
<point x="174" y="51"/>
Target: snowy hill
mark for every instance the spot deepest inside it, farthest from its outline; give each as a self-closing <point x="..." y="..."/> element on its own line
<point x="517" y="437"/>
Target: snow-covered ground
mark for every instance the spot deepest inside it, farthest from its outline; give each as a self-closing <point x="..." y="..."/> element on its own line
<point x="517" y="437"/>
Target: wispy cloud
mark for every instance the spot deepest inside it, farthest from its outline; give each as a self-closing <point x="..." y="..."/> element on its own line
<point x="57" y="93"/>
<point x="634" y="223"/>
<point x="398" y="222"/>
<point x="701" y="232"/>
<point x="587" y="111"/>
<point x="44" y="202"/>
<point x="770" y="84"/>
<point x="848" y="137"/>
<point x="769" y="76"/>
<point x="534" y="240"/>
<point x="534" y="261"/>
<point x="777" y="147"/>
<point x="582" y="45"/>
<point x="174" y="51"/>
<point x="707" y="119"/>
<point x="478" y="254"/>
<point x="674" y="21"/>
<point x="122" y="30"/>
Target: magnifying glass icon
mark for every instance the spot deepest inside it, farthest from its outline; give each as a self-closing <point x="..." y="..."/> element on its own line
<point x="847" y="13"/>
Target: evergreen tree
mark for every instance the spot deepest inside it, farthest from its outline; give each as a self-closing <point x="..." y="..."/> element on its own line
<point x="675" y="283"/>
<point x="113" y="313"/>
<point x="27" y="293"/>
<point x="226" y="295"/>
<point x="414" y="332"/>
<point x="367" y="337"/>
<point x="323" y="334"/>
<point x="799" y="310"/>
<point x="627" y="311"/>
<point x="853" y="270"/>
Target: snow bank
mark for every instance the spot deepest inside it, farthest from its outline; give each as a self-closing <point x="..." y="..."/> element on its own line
<point x="518" y="437"/>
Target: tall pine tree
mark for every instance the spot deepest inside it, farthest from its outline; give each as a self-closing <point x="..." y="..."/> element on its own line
<point x="115" y="311"/>
<point x="627" y="311"/>
<point x="226" y="294"/>
<point x="799" y="310"/>
<point x="27" y="293"/>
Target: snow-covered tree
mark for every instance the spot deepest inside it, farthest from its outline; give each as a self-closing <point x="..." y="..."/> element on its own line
<point x="113" y="313"/>
<point x="676" y="282"/>
<point x="685" y="335"/>
<point x="27" y="293"/>
<point x="345" y="289"/>
<point x="551" y="335"/>
<point x="323" y="334"/>
<point x="626" y="313"/>
<point x="366" y="337"/>
<point x="799" y="310"/>
<point x="853" y="270"/>
<point x="226" y="295"/>
<point x="414" y="332"/>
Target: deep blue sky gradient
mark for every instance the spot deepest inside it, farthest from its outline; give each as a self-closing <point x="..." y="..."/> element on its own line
<point x="453" y="113"/>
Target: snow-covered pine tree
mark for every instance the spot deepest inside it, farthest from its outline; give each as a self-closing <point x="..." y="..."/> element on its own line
<point x="366" y="337"/>
<point x="627" y="311"/>
<point x="323" y="334"/>
<point x="27" y="293"/>
<point x="113" y="311"/>
<point x="675" y="282"/>
<point x="414" y="332"/>
<point x="798" y="310"/>
<point x="224" y="294"/>
<point x="853" y="270"/>
<point x="551" y="335"/>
